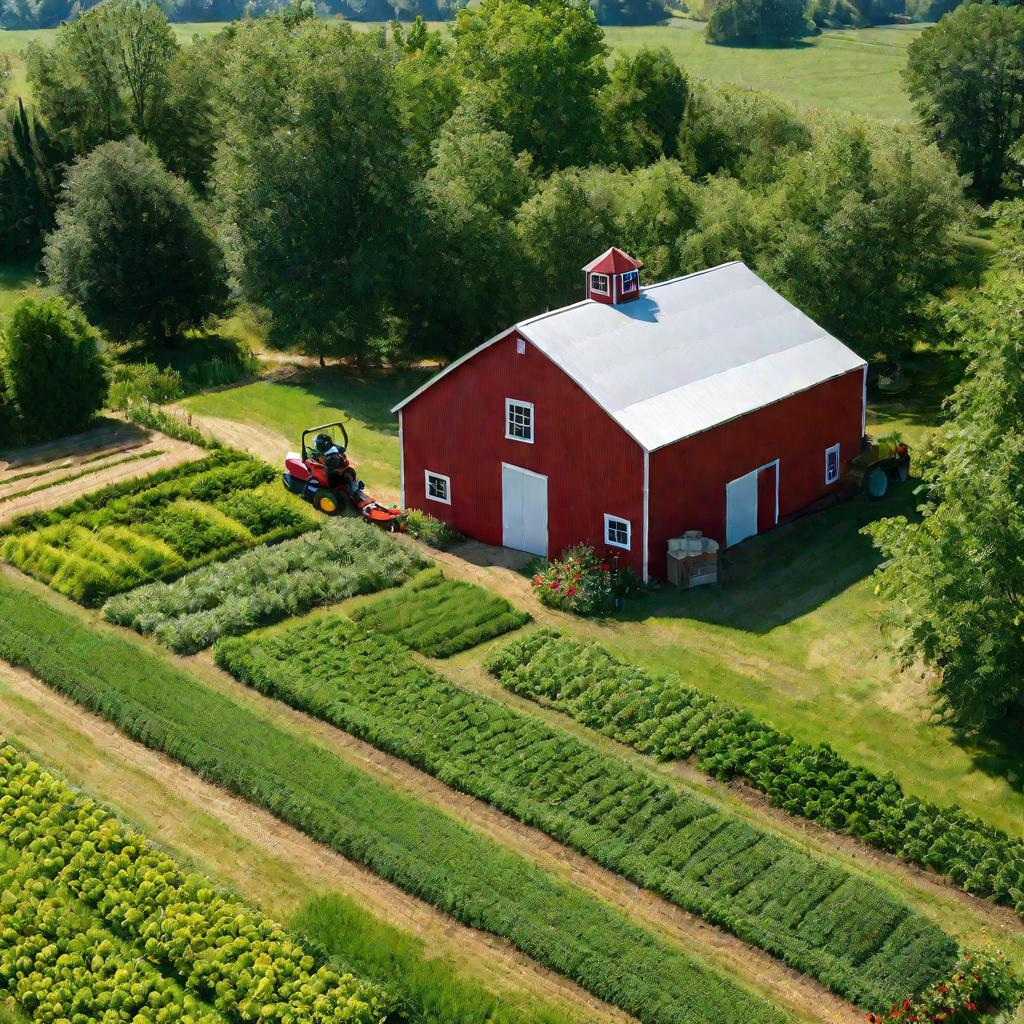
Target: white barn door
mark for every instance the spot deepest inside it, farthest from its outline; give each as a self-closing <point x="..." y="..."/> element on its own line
<point x="524" y="510"/>
<point x="740" y="509"/>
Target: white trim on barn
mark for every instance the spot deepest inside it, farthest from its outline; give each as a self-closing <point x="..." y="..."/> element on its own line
<point x="447" y="499"/>
<point x="647" y="512"/>
<point x="401" y="462"/>
<point x="619" y="521"/>
<point x="526" y="415"/>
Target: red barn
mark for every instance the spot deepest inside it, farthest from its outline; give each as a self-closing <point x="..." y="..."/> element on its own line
<point x="707" y="403"/>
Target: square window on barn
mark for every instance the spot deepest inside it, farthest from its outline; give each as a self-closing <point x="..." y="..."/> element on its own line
<point x="599" y="283"/>
<point x="438" y="487"/>
<point x="616" y="532"/>
<point x="832" y="464"/>
<point x="630" y="282"/>
<point x="518" y="420"/>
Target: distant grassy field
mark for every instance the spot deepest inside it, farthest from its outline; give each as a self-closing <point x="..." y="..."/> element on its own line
<point x="856" y="71"/>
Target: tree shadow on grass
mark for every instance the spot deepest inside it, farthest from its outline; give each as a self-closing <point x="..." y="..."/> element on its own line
<point x="782" y="575"/>
<point x="998" y="753"/>
<point x="365" y="395"/>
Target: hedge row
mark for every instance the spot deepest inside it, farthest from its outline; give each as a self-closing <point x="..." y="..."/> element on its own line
<point x="440" y="617"/>
<point x="852" y="936"/>
<point x="156" y="528"/>
<point x="411" y="844"/>
<point x="661" y="716"/>
<point x="265" y="585"/>
<point x="239" y="960"/>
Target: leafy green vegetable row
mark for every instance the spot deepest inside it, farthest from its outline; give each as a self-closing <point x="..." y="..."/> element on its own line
<point x="662" y="716"/>
<point x="247" y="965"/>
<point x="265" y="585"/>
<point x="440" y="617"/>
<point x="158" y="528"/>
<point x="409" y="843"/>
<point x="840" y="929"/>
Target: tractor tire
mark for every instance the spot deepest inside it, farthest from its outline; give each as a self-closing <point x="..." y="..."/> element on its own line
<point x="877" y="482"/>
<point x="327" y="502"/>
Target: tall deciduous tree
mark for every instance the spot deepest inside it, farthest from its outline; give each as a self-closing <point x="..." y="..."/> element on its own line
<point x="642" y="106"/>
<point x="966" y="78"/>
<point x="105" y="76"/>
<point x="132" y="246"/>
<point x="956" y="576"/>
<point x="315" y="184"/>
<point x="759" y="22"/>
<point x="535" y="69"/>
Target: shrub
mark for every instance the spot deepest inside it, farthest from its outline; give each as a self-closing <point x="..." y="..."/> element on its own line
<point x="143" y="383"/>
<point x="53" y="375"/>
<point x="344" y="557"/>
<point x="440" y="617"/>
<point x="581" y="583"/>
<point x="661" y="716"/>
<point x="818" y="918"/>
<point x="155" y="528"/>
<point x="426" y="528"/>
<point x="417" y="847"/>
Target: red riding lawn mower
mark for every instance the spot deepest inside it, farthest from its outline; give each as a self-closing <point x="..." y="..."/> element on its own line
<point x="323" y="475"/>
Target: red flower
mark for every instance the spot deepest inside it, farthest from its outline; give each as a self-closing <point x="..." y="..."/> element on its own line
<point x="576" y="576"/>
<point x="906" y="1004"/>
<point x="871" y="1019"/>
<point x="894" y="1012"/>
<point x="943" y="988"/>
<point x="537" y="581"/>
<point x="571" y="590"/>
<point x="604" y="567"/>
<point x="554" y="584"/>
<point x="972" y="1007"/>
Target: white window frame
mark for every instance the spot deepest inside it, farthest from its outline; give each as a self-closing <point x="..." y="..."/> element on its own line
<point x="608" y="520"/>
<point x="520" y="346"/>
<point x="519" y="403"/>
<point x="828" y="451"/>
<point x="634" y="276"/>
<point x="427" y="474"/>
<point x="607" y="289"/>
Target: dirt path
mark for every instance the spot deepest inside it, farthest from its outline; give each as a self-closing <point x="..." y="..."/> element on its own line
<point x="66" y="469"/>
<point x="747" y="964"/>
<point x="248" y="849"/>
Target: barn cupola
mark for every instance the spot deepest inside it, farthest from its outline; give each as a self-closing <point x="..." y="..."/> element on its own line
<point x="613" y="277"/>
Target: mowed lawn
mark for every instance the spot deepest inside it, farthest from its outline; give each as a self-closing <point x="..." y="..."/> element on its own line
<point x="856" y="71"/>
<point x="362" y="401"/>
<point x="792" y="633"/>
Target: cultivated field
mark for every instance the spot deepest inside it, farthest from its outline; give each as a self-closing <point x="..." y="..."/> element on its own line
<point x="856" y="71"/>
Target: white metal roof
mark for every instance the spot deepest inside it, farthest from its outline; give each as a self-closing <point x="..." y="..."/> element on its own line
<point x="686" y="355"/>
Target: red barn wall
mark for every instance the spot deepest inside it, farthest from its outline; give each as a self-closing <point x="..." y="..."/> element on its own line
<point x="457" y="427"/>
<point x="688" y="478"/>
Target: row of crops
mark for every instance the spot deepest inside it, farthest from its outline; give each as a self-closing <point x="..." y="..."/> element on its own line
<point x="341" y="559"/>
<point x="409" y="843"/>
<point x="440" y="617"/>
<point x="661" y="716"/>
<point x="97" y="925"/>
<point x="156" y="528"/>
<point x="852" y="936"/>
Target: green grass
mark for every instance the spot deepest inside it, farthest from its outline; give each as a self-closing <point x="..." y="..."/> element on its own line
<point x="710" y="863"/>
<point x="856" y="71"/>
<point x="16" y="281"/>
<point x="363" y="401"/>
<point x="440" y="617"/>
<point x="410" y="844"/>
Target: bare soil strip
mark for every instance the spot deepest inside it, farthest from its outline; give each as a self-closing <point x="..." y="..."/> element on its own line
<point x="249" y="850"/>
<point x="97" y="454"/>
<point x="750" y="966"/>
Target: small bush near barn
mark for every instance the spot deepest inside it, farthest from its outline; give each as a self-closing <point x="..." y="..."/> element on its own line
<point x="581" y="583"/>
<point x="440" y="617"/>
<point x="661" y="716"/>
<point x="82" y="884"/>
<point x="425" y="527"/>
<point x="343" y="558"/>
<point x="155" y="528"/>
<point x="850" y="934"/>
